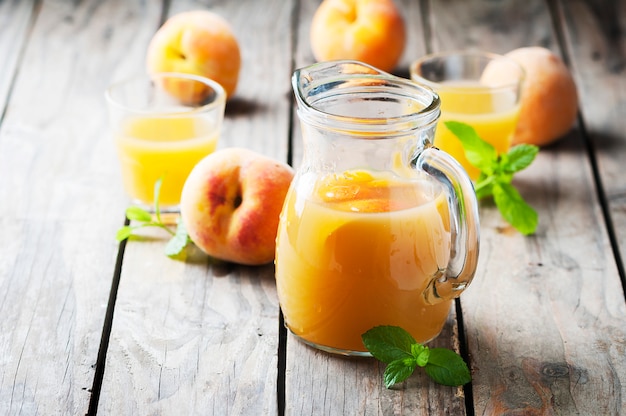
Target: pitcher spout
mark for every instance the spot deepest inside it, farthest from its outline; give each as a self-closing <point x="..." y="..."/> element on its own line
<point x="354" y="97"/>
<point x="323" y="75"/>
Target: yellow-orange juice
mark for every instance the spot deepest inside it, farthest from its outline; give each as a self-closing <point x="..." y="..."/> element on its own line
<point x="360" y="251"/>
<point x="155" y="147"/>
<point x="493" y="115"/>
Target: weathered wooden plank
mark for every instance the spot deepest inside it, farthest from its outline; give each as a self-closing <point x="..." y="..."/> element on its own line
<point x="191" y="337"/>
<point x="318" y="383"/>
<point x="597" y="49"/>
<point x="545" y="315"/>
<point x="335" y="385"/>
<point x="58" y="188"/>
<point x="15" y="20"/>
<point x="492" y="26"/>
<point x="197" y="337"/>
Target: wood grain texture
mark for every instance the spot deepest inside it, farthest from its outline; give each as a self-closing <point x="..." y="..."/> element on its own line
<point x="416" y="34"/>
<point x="58" y="187"/>
<point x="318" y="383"/>
<point x="545" y="315"/>
<point x="595" y="33"/>
<point x="15" y="21"/>
<point x="201" y="337"/>
<point x="191" y="337"/>
<point x="495" y="26"/>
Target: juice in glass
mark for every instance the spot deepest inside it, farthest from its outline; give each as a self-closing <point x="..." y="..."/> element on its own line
<point x="163" y="124"/>
<point x="492" y="114"/>
<point x="481" y="89"/>
<point x="169" y="147"/>
<point x="359" y="251"/>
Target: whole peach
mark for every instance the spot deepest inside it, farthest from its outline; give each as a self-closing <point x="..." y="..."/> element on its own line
<point x="549" y="101"/>
<point x="197" y="42"/>
<point x="230" y="205"/>
<point x="370" y="31"/>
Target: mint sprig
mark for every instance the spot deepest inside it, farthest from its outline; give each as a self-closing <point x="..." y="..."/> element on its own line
<point x="142" y="218"/>
<point x="402" y="354"/>
<point x="177" y="244"/>
<point x="496" y="174"/>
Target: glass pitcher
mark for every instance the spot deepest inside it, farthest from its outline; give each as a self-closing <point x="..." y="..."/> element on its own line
<point x="379" y="227"/>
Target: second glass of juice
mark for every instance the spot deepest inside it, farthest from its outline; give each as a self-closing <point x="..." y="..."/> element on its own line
<point x="481" y="89"/>
<point x="163" y="125"/>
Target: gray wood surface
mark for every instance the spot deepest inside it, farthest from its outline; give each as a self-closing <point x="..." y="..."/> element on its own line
<point x="60" y="204"/>
<point x="594" y="35"/>
<point x="544" y="321"/>
<point x="15" y="22"/>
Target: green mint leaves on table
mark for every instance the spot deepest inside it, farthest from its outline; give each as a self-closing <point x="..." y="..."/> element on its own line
<point x="496" y="173"/>
<point x="402" y="354"/>
<point x="180" y="239"/>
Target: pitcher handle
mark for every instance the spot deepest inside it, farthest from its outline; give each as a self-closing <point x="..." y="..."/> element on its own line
<point x="464" y="224"/>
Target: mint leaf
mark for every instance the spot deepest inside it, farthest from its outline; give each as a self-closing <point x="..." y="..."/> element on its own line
<point x="157" y="195"/>
<point x="138" y="214"/>
<point x="177" y="244"/>
<point x="388" y="343"/>
<point x="484" y="186"/>
<point x="447" y="367"/>
<point x="421" y="354"/>
<point x="496" y="175"/>
<point x="514" y="209"/>
<point x="180" y="238"/>
<point x="123" y="233"/>
<point x="397" y="371"/>
<point x="520" y="157"/>
<point x="477" y="151"/>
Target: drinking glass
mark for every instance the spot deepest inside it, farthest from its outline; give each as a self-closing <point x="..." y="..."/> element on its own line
<point x="478" y="88"/>
<point x="163" y="124"/>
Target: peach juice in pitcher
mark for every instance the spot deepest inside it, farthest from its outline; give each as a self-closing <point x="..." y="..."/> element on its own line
<point x="379" y="227"/>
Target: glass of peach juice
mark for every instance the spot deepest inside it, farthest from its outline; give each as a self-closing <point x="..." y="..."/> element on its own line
<point x="378" y="227"/>
<point x="481" y="89"/>
<point x="163" y="124"/>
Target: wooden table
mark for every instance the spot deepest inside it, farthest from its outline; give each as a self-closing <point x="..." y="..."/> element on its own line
<point x="88" y="325"/>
